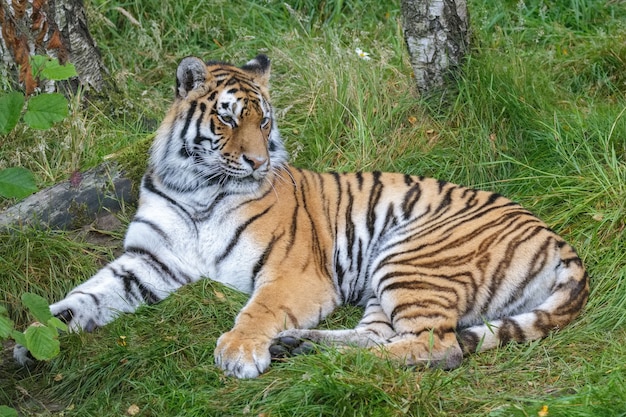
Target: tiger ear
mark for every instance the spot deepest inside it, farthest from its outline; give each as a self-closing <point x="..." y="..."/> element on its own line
<point x="259" y="68"/>
<point x="191" y="74"/>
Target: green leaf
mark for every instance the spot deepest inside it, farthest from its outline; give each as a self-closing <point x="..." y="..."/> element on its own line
<point x="55" y="71"/>
<point x="7" y="411"/>
<point x="16" y="182"/>
<point x="19" y="337"/>
<point x="38" y="306"/>
<point x="55" y="323"/>
<point x="6" y="327"/>
<point x="45" y="110"/>
<point x="10" y="110"/>
<point x="38" y="63"/>
<point x="49" y="68"/>
<point x="42" y="342"/>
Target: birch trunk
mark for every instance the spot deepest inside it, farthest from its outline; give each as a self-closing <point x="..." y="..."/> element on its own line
<point x="437" y="35"/>
<point x="57" y="28"/>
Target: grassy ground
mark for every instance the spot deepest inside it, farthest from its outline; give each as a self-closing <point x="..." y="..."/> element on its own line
<point x="539" y="116"/>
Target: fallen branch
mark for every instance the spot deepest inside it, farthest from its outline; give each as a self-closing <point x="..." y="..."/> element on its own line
<point x="73" y="203"/>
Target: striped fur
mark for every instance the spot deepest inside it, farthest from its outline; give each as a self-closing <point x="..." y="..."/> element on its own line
<point x="440" y="269"/>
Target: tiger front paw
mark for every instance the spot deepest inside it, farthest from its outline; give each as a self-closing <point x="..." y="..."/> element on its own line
<point x="242" y="356"/>
<point x="81" y="312"/>
<point x="22" y="356"/>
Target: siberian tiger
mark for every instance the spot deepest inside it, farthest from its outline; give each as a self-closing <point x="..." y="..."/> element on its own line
<point x="440" y="269"/>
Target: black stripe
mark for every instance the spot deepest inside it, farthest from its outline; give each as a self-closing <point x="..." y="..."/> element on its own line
<point x="398" y="309"/>
<point x="237" y="235"/>
<point x="200" y="118"/>
<point x="188" y="119"/>
<point x="263" y="259"/>
<point x="440" y="291"/>
<point x="156" y="263"/>
<point x="316" y="247"/>
<point x="153" y="226"/>
<point x="446" y="201"/>
<point x="469" y="341"/>
<point x="148" y="185"/>
<point x="374" y="198"/>
<point x="93" y="296"/>
<point x="510" y="330"/>
<point x="129" y="279"/>
<point x="369" y="323"/>
<point x="350" y="229"/>
<point x="504" y="264"/>
<point x="411" y="197"/>
<point x="359" y="179"/>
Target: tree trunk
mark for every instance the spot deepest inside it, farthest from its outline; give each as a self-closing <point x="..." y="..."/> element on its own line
<point x="437" y="35"/>
<point x="57" y="28"/>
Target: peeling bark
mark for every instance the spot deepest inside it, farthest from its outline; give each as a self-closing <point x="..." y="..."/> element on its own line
<point x="437" y="35"/>
<point x="57" y="28"/>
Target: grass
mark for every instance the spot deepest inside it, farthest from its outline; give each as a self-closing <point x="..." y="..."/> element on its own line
<point x="538" y="115"/>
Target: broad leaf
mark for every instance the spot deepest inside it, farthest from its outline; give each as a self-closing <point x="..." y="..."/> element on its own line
<point x="42" y="342"/>
<point x="38" y="306"/>
<point x="6" y="327"/>
<point x="10" y="110"/>
<point x="55" y="323"/>
<point x="50" y="69"/>
<point x="55" y="71"/>
<point x="38" y="63"/>
<point x="16" y="182"/>
<point x="19" y="337"/>
<point x="7" y="411"/>
<point x="45" y="110"/>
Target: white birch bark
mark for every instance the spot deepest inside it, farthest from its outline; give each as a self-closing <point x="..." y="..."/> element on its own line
<point x="437" y="36"/>
<point x="37" y="29"/>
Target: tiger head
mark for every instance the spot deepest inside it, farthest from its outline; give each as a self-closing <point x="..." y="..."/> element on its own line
<point x="220" y="129"/>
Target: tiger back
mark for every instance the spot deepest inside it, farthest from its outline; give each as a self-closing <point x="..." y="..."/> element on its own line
<point x="440" y="269"/>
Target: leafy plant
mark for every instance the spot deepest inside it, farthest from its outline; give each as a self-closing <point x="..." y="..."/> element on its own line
<point x="42" y="112"/>
<point x="7" y="411"/>
<point x="10" y="111"/>
<point x="40" y="338"/>
<point x="16" y="182"/>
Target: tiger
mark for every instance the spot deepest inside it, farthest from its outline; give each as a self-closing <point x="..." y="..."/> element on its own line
<point x="440" y="270"/>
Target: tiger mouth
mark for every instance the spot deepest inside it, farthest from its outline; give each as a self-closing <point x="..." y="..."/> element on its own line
<point x="229" y="179"/>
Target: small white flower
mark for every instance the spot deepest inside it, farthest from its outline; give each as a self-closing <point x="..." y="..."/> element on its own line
<point x="362" y="54"/>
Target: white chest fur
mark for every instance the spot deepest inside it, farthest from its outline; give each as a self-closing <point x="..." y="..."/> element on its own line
<point x="199" y="245"/>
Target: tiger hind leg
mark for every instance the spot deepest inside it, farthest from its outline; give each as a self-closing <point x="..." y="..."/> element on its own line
<point x="431" y="348"/>
<point x="376" y="332"/>
<point x="568" y="297"/>
<point x="424" y="313"/>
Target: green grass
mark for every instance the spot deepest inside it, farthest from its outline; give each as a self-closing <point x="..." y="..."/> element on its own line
<point x="537" y="115"/>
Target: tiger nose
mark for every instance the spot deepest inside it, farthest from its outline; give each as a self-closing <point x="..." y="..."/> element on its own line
<point x="254" y="161"/>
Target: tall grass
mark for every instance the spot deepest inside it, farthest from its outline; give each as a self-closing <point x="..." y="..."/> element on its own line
<point x="538" y="115"/>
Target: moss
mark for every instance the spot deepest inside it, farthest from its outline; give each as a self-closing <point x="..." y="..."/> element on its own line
<point x="80" y="214"/>
<point x="133" y="160"/>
